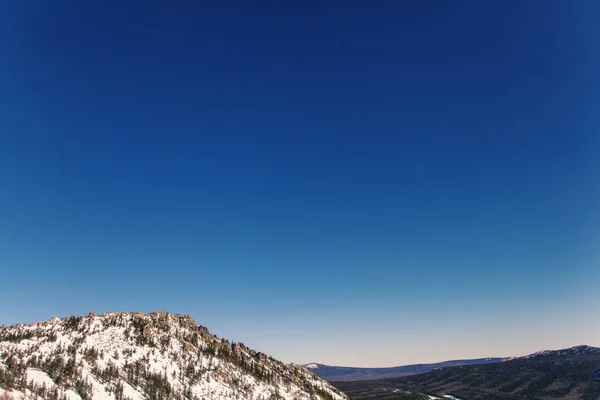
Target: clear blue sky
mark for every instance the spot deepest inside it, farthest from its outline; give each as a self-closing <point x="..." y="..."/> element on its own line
<point x="359" y="183"/>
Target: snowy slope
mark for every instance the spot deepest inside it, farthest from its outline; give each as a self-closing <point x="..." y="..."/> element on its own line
<point x="136" y="356"/>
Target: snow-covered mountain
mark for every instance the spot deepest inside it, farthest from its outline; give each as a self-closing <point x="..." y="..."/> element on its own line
<point x="571" y="351"/>
<point x="135" y="356"/>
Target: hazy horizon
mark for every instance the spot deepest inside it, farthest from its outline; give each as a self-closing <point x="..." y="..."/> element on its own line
<point x="326" y="182"/>
<point x="284" y="350"/>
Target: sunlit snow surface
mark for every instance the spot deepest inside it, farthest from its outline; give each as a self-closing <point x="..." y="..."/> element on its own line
<point x="114" y="336"/>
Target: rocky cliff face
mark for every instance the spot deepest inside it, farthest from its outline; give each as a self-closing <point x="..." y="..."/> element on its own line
<point x="135" y="356"/>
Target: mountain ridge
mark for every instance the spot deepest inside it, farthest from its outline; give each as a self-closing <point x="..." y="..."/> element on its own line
<point x="139" y="356"/>
<point x="567" y="374"/>
<point x="342" y="373"/>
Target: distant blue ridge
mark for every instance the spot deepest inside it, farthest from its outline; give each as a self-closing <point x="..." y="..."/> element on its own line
<point x="336" y="373"/>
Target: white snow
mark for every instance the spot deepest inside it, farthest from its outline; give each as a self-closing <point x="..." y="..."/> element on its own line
<point x="113" y="336"/>
<point x="39" y="377"/>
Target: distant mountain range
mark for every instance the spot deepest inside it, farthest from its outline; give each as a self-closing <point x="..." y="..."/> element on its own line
<point x="569" y="374"/>
<point x="334" y="373"/>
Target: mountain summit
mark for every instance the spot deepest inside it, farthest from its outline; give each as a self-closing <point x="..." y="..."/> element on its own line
<point x="137" y="356"/>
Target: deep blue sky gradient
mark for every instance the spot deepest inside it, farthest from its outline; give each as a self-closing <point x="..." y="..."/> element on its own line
<point x="306" y="177"/>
